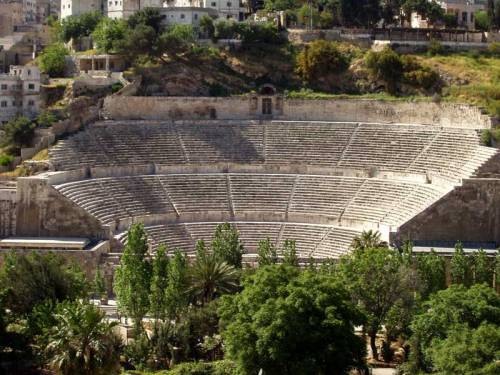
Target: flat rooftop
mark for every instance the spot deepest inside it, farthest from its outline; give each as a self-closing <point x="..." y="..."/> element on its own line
<point x="56" y="243"/>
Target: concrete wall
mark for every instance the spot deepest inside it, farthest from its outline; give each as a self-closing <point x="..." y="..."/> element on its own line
<point x="178" y="108"/>
<point x="43" y="212"/>
<point x="470" y="212"/>
<point x="7" y="212"/>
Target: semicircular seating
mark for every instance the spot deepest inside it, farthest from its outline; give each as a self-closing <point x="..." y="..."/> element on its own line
<point x="318" y="183"/>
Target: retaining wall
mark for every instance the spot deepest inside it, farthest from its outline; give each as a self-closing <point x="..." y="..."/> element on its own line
<point x="244" y="108"/>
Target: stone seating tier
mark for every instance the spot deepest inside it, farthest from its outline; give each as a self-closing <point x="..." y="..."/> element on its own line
<point x="312" y="198"/>
<point x="318" y="241"/>
<point x="406" y="149"/>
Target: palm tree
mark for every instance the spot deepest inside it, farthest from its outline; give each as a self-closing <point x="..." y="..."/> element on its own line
<point x="368" y="240"/>
<point x="211" y="277"/>
<point x="82" y="342"/>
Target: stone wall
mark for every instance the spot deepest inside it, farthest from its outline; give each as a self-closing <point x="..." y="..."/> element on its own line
<point x="470" y="212"/>
<point x="43" y="212"/>
<point x="7" y="212"/>
<point x="234" y="108"/>
<point x="443" y="114"/>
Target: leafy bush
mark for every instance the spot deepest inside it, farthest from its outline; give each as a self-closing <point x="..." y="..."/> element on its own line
<point x="207" y="26"/>
<point x="483" y="22"/>
<point x="18" y="133"/>
<point x="204" y="368"/>
<point x="53" y="60"/>
<point x="319" y="59"/>
<point x="6" y="160"/>
<point x="326" y="19"/>
<point x="75" y="27"/>
<point x="494" y="49"/>
<point x="116" y="87"/>
<point x="486" y="137"/>
<point x="251" y="32"/>
<point x="304" y="15"/>
<point x="216" y="89"/>
<point x="46" y="119"/>
<point x="109" y="34"/>
<point x="226" y="29"/>
<point x="435" y="48"/>
<point x="385" y="65"/>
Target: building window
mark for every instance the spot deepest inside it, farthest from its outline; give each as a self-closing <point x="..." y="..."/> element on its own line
<point x="3" y="104"/>
<point x="29" y="72"/>
<point x="229" y="4"/>
<point x="110" y="3"/>
<point x="31" y="103"/>
<point x="464" y="17"/>
<point x="31" y="86"/>
<point x="195" y="16"/>
<point x="182" y="16"/>
<point x="4" y="87"/>
<point x="214" y="4"/>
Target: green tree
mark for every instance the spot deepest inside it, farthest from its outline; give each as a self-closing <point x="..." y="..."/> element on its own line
<point x="446" y="309"/>
<point x="176" y="298"/>
<point x="133" y="276"/>
<point x="308" y="16"/>
<point x="277" y="5"/>
<point x="31" y="279"/>
<point x="76" y="27"/>
<point x="289" y="252"/>
<point x="368" y="239"/>
<point x="46" y="119"/>
<point x="290" y="322"/>
<point x="431" y="269"/>
<point x="460" y="266"/>
<point x="148" y="17"/>
<point x="430" y="10"/>
<point x="468" y="351"/>
<point x="387" y="66"/>
<point x="159" y="284"/>
<point x="226" y="245"/>
<point x="319" y="59"/>
<point x="18" y="133"/>
<point x="210" y="277"/>
<point x="82" y="342"/>
<point x="267" y="253"/>
<point x="52" y="60"/>
<point x="377" y="279"/>
<point x="109" y="34"/>
<point x="99" y="284"/>
<point x="482" y="20"/>
<point x="207" y="26"/>
<point x="482" y="268"/>
<point x="176" y="40"/>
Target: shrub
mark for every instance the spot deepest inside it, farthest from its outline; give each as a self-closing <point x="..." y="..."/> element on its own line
<point x="435" y="48"/>
<point x="6" y="160"/>
<point x="53" y="60"/>
<point x="304" y="16"/>
<point x="207" y="26"/>
<point x="319" y="59"/>
<point x="205" y="368"/>
<point x="18" y="133"/>
<point x="116" y="87"/>
<point x="225" y="29"/>
<point x="423" y="77"/>
<point x="216" y="89"/>
<point x="46" y="119"/>
<point x="494" y="49"/>
<point x="326" y="19"/>
<point x="251" y="32"/>
<point x="486" y="137"/>
<point x="482" y="20"/>
<point x="385" y="65"/>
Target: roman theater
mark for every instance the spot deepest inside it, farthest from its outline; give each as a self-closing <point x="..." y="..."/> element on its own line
<point x="316" y="171"/>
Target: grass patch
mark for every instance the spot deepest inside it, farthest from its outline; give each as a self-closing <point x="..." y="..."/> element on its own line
<point x="314" y="95"/>
<point x="41" y="155"/>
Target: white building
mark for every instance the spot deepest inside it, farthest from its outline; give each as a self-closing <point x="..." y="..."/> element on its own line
<point x="186" y="15"/>
<point x="464" y="10"/>
<point x="228" y="9"/>
<point x="19" y="93"/>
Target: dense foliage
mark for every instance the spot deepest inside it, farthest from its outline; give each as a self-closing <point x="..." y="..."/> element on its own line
<point x="290" y="322"/>
<point x="53" y="60"/>
<point x="190" y="314"/>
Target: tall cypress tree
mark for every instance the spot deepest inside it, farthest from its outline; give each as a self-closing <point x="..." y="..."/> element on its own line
<point x="133" y="276"/>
